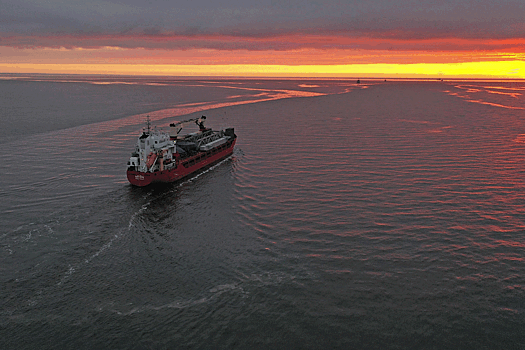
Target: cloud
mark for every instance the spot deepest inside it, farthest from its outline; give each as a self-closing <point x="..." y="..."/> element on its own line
<point x="151" y="39"/>
<point x="265" y="24"/>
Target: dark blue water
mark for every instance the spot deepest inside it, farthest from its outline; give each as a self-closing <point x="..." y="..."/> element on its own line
<point x="384" y="215"/>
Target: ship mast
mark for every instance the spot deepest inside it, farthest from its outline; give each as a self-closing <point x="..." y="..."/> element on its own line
<point x="148" y="124"/>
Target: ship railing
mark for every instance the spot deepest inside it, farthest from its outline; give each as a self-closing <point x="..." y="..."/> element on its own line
<point x="210" y="138"/>
<point x="204" y="138"/>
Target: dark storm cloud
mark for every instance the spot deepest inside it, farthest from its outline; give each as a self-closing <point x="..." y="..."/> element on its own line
<point x="244" y="19"/>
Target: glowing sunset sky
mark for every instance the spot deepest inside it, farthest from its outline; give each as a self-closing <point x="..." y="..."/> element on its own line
<point x="328" y="38"/>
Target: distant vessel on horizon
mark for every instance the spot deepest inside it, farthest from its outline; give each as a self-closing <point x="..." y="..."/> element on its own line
<point x="167" y="157"/>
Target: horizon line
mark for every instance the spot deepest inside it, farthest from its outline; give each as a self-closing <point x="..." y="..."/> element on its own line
<point x="365" y="78"/>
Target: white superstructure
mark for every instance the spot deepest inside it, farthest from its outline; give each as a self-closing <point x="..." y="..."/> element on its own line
<point x="154" y="151"/>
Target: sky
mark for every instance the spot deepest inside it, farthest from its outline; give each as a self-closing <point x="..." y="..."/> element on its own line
<point x="287" y="38"/>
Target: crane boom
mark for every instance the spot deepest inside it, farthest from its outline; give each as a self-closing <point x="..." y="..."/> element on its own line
<point x="175" y="128"/>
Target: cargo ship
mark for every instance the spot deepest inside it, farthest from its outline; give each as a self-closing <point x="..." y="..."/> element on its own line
<point x="160" y="156"/>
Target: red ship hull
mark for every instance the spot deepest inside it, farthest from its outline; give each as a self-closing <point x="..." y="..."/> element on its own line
<point x="185" y="167"/>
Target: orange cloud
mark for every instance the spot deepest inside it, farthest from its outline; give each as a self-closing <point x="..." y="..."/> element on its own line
<point x="273" y="43"/>
<point x="292" y="55"/>
<point x="206" y="56"/>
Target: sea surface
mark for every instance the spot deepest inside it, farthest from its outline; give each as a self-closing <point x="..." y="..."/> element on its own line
<point x="380" y="215"/>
